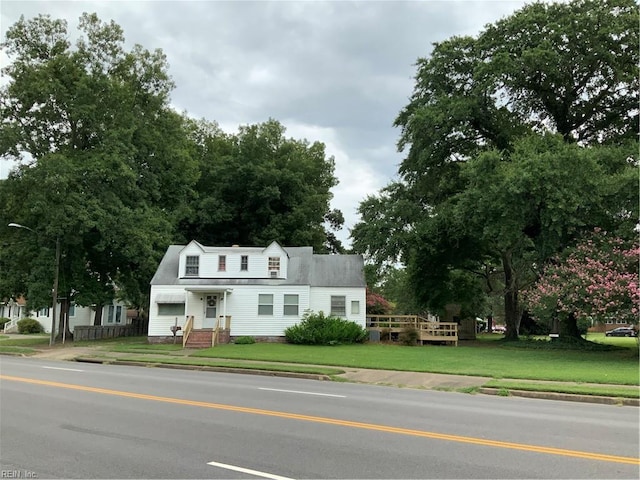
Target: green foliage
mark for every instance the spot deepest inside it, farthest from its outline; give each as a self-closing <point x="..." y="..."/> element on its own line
<point x="516" y="141"/>
<point x="109" y="162"/>
<point x="289" y="182"/>
<point x="409" y="336"/>
<point x="29" y="325"/>
<point x="4" y="320"/>
<point x="583" y="325"/>
<point x="246" y="340"/>
<point x="318" y="329"/>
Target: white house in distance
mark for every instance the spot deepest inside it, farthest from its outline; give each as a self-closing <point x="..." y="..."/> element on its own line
<point x="114" y="313"/>
<point x="252" y="291"/>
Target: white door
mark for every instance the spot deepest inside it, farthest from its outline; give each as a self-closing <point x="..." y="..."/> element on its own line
<point x="210" y="311"/>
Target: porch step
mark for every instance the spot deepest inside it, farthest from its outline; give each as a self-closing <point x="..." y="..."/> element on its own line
<point x="199" y="338"/>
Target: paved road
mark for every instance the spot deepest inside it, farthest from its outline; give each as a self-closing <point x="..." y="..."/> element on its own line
<point x="63" y="420"/>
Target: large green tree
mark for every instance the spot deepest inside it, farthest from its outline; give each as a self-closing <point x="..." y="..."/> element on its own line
<point x="106" y="165"/>
<point x="258" y="186"/>
<point x="484" y="189"/>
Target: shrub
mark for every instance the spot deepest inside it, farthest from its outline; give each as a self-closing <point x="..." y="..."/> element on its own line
<point x="29" y="325"/>
<point x="244" y="340"/>
<point x="318" y="329"/>
<point x="409" y="336"/>
<point x="4" y="320"/>
<point x="583" y="325"/>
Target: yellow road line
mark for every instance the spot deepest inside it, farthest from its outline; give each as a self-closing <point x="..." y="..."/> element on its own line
<point x="334" y="421"/>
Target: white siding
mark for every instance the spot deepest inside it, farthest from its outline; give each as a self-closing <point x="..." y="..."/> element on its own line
<point x="258" y="266"/>
<point x="160" y="325"/>
<point x="243" y="308"/>
<point x="321" y="301"/>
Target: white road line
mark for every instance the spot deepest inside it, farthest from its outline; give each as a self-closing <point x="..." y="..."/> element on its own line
<point x="248" y="470"/>
<point x="303" y="393"/>
<point x="67" y="369"/>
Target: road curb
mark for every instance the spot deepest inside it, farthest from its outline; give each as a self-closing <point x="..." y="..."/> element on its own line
<point x="247" y="371"/>
<point x="569" y="397"/>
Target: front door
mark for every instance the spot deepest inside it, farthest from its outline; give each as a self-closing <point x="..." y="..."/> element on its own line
<point x="210" y="311"/>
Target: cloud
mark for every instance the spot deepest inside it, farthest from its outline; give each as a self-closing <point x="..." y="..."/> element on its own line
<point x="332" y="71"/>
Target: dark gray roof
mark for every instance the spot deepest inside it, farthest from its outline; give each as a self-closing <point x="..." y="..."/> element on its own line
<point x="305" y="268"/>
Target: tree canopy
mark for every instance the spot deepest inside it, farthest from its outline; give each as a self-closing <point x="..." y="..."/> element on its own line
<point x="114" y="175"/>
<point x="517" y="141"/>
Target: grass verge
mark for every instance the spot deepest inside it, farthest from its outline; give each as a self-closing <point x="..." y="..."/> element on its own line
<point x="24" y="342"/>
<point x="232" y="364"/>
<point x="500" y="361"/>
<point x="16" y="350"/>
<point x="606" y="391"/>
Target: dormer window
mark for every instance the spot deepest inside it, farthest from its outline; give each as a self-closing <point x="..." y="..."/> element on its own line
<point x="274" y="266"/>
<point x="192" y="266"/>
<point x="222" y="263"/>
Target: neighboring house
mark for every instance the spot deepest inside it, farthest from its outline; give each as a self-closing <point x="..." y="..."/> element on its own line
<point x="112" y="314"/>
<point x="252" y="291"/>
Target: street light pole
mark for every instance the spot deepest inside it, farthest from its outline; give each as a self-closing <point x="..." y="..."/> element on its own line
<point x="52" y="339"/>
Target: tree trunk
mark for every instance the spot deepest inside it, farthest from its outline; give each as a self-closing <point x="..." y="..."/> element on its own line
<point x="63" y="320"/>
<point x="511" y="310"/>
<point x="97" y="320"/>
<point x="569" y="327"/>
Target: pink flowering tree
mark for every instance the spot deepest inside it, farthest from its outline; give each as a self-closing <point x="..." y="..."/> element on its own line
<point x="377" y="304"/>
<point x="597" y="279"/>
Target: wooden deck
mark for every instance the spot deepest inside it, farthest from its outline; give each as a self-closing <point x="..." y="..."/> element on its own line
<point x="428" y="331"/>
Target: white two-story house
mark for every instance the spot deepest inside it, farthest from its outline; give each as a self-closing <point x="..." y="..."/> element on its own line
<point x="252" y="291"/>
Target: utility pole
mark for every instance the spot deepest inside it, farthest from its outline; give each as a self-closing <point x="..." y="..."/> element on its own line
<point x="54" y="304"/>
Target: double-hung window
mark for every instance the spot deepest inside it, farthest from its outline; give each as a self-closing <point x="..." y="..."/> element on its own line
<point x="338" y="305"/>
<point x="274" y="266"/>
<point x="192" y="268"/>
<point x="291" y="303"/>
<point x="222" y="263"/>
<point x="265" y="304"/>
<point x="244" y="263"/>
<point x="110" y="313"/>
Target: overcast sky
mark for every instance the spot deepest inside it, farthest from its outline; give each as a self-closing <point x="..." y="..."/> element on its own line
<point x="338" y="72"/>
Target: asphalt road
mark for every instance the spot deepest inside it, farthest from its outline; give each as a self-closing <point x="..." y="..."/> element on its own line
<point x="66" y="420"/>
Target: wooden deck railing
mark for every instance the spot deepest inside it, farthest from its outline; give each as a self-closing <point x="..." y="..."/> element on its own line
<point x="429" y="331"/>
<point x="188" y="326"/>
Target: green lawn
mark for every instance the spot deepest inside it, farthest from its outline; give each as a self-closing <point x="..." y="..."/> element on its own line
<point x="25" y="341"/>
<point x="491" y="359"/>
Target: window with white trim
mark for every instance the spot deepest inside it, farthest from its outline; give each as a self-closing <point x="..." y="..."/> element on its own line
<point x="174" y="309"/>
<point x="355" y="307"/>
<point x="265" y="304"/>
<point x="110" y="313"/>
<point x="274" y="266"/>
<point x="338" y="305"/>
<point x="291" y="303"/>
<point x="192" y="266"/>
<point x="222" y="263"/>
<point x="44" y="312"/>
<point x="244" y="263"/>
<point x="72" y="310"/>
<point x="119" y="314"/>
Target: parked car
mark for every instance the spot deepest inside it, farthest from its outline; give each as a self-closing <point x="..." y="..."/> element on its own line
<point x="499" y="329"/>
<point x="622" y="332"/>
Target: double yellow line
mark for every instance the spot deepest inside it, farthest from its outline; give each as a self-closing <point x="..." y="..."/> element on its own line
<point x="333" y="421"/>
